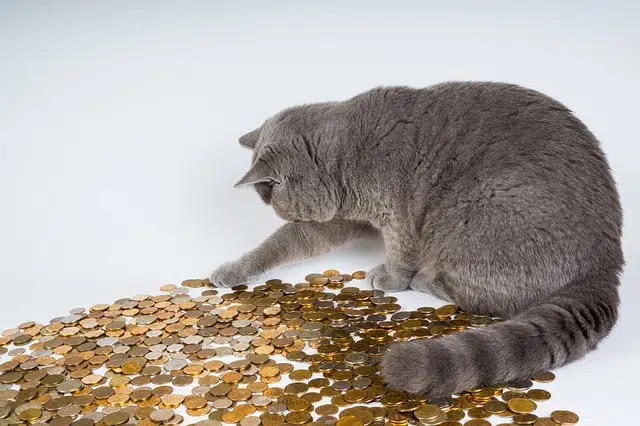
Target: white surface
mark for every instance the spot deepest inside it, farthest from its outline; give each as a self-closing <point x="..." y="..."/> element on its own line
<point x="119" y="124"/>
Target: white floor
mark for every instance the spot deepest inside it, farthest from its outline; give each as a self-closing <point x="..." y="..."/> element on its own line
<point x="119" y="123"/>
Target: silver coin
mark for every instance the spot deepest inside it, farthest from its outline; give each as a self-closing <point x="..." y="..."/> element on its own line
<point x="45" y="417"/>
<point x="192" y="340"/>
<point x="162" y="415"/>
<point x="122" y="349"/>
<point x="158" y="348"/>
<point x="181" y="298"/>
<point x="146" y="319"/>
<point x="71" y="410"/>
<point x="361" y="383"/>
<point x="200" y="390"/>
<point x="152" y="356"/>
<point x="106" y="341"/>
<point x="221" y="340"/>
<point x="250" y="371"/>
<point x="239" y="347"/>
<point x="16" y="352"/>
<point x="222" y="403"/>
<point x="216" y="300"/>
<point x="400" y="316"/>
<point x="241" y="323"/>
<point x="175" y="420"/>
<point x="245" y="339"/>
<point x="179" y="355"/>
<point x="175" y="348"/>
<point x="276" y="408"/>
<point x="260" y="400"/>
<point x="96" y="416"/>
<point x="71" y="319"/>
<point x="153" y="333"/>
<point x="129" y="304"/>
<point x="89" y="323"/>
<point x="250" y="421"/>
<point x="175" y="364"/>
<point x="309" y="335"/>
<point x="341" y="385"/>
<point x="291" y="334"/>
<point x="329" y="420"/>
<point x="140" y="297"/>
<point x="224" y="351"/>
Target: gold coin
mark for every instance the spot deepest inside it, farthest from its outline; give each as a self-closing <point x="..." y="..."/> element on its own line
<point x="300" y="375"/>
<point x="331" y="273"/>
<point x="427" y="412"/>
<point x="564" y="417"/>
<point x="478" y="422"/>
<point x="30" y="414"/>
<point x="521" y="405"/>
<point x="326" y="410"/>
<point x="545" y="421"/>
<point x="194" y="402"/>
<point x="115" y="419"/>
<point x="232" y="417"/>
<point x="359" y="275"/>
<point x="538" y="394"/>
<point x="544" y="377"/>
<point x="298" y="417"/>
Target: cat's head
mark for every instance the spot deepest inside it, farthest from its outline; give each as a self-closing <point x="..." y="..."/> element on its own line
<point x="290" y="170"/>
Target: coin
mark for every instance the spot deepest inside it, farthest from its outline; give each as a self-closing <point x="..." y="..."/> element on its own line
<point x="564" y="417"/>
<point x="521" y="405"/>
<point x="134" y="360"/>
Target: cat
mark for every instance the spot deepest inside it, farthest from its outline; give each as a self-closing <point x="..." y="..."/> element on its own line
<point x="489" y="195"/>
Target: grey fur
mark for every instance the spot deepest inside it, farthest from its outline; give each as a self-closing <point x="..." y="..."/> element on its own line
<point x="489" y="195"/>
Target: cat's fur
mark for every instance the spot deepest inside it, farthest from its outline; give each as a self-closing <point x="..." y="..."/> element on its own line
<point x="489" y="195"/>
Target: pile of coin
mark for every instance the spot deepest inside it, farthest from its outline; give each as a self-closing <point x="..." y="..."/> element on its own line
<point x="275" y="354"/>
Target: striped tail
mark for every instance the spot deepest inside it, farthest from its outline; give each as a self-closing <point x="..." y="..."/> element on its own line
<point x="557" y="331"/>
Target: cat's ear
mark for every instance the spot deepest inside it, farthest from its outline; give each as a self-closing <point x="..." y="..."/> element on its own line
<point x="250" y="139"/>
<point x="260" y="172"/>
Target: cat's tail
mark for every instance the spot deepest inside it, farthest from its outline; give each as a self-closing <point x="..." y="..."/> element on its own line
<point x="557" y="331"/>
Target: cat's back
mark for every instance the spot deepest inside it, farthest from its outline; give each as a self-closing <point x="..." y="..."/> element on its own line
<point x="481" y="125"/>
<point x="492" y="144"/>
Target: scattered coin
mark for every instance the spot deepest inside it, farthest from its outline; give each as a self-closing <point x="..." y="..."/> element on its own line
<point x="270" y="355"/>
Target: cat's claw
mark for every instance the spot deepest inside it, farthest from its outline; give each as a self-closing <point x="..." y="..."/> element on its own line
<point x="231" y="274"/>
<point x="380" y="279"/>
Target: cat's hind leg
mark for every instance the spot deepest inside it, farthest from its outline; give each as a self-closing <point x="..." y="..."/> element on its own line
<point x="291" y="242"/>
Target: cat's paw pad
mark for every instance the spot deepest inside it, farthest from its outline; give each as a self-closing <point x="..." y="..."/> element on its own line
<point x="380" y="279"/>
<point x="230" y="274"/>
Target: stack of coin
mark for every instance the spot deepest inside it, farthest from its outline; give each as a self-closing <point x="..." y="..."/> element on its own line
<point x="275" y="354"/>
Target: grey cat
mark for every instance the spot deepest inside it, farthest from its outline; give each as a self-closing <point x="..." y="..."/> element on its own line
<point x="489" y="195"/>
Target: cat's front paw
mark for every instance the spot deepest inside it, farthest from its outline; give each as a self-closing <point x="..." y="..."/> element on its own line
<point x="380" y="279"/>
<point x="231" y="274"/>
<point x="419" y="367"/>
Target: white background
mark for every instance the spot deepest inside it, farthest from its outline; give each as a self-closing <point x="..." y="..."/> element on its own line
<point x="119" y="123"/>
